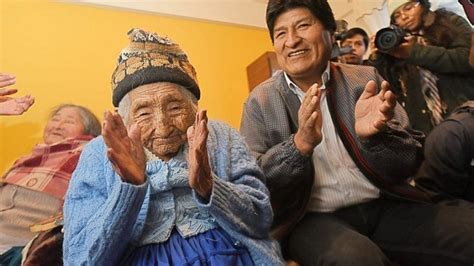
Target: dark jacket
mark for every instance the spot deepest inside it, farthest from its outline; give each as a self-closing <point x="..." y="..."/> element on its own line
<point x="448" y="169"/>
<point x="270" y="120"/>
<point x="447" y="57"/>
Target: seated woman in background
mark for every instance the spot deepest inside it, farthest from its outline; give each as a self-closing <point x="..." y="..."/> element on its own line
<point x="165" y="187"/>
<point x="33" y="189"/>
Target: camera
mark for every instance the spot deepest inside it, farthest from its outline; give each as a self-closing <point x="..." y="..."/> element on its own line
<point x="341" y="30"/>
<point x="388" y="38"/>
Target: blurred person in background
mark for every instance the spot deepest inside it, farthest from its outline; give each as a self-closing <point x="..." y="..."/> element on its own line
<point x="448" y="169"/>
<point x="358" y="39"/>
<point x="33" y="189"/>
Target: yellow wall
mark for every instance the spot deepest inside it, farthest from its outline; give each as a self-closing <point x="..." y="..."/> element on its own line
<point x="66" y="52"/>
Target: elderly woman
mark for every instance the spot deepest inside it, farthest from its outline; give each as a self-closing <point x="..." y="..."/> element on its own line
<point x="431" y="67"/>
<point x="165" y="187"/>
<point x="33" y="189"/>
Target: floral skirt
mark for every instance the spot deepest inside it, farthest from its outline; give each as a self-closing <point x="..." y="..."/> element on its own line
<point x="213" y="247"/>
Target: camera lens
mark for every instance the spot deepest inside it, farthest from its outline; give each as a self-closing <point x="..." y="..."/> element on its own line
<point x="389" y="38"/>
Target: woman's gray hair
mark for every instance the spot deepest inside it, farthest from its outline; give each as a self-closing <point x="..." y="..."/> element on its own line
<point x="125" y="103"/>
<point x="88" y="119"/>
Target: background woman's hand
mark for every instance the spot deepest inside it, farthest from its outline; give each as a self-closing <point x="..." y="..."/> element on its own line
<point x="10" y="105"/>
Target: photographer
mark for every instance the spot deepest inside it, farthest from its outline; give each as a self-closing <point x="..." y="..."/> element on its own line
<point x="430" y="68"/>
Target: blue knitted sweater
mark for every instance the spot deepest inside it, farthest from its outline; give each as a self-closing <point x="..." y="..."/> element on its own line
<point x="105" y="217"/>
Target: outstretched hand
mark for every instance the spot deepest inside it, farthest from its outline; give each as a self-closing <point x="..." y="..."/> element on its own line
<point x="15" y="106"/>
<point x="200" y="178"/>
<point x="9" y="105"/>
<point x="373" y="110"/>
<point x="124" y="148"/>
<point x="6" y="80"/>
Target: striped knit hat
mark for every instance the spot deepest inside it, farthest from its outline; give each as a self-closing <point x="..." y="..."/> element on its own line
<point x="150" y="58"/>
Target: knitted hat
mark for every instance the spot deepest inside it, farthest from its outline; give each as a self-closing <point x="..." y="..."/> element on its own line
<point x="150" y="58"/>
<point x="395" y="4"/>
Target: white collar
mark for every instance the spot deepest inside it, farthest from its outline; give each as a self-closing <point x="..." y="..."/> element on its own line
<point x="324" y="77"/>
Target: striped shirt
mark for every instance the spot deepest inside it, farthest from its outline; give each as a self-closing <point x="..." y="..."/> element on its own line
<point x="338" y="182"/>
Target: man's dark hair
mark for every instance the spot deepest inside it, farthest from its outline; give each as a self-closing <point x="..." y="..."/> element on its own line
<point x="319" y="8"/>
<point x="356" y="31"/>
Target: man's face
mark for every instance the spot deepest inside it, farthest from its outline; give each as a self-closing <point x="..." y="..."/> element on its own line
<point x="409" y="16"/>
<point x="163" y="114"/>
<point x="302" y="44"/>
<point x="356" y="57"/>
<point x="66" y="123"/>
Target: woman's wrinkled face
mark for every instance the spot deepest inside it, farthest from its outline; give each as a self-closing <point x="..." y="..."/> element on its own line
<point x="163" y="113"/>
<point x="65" y="123"/>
